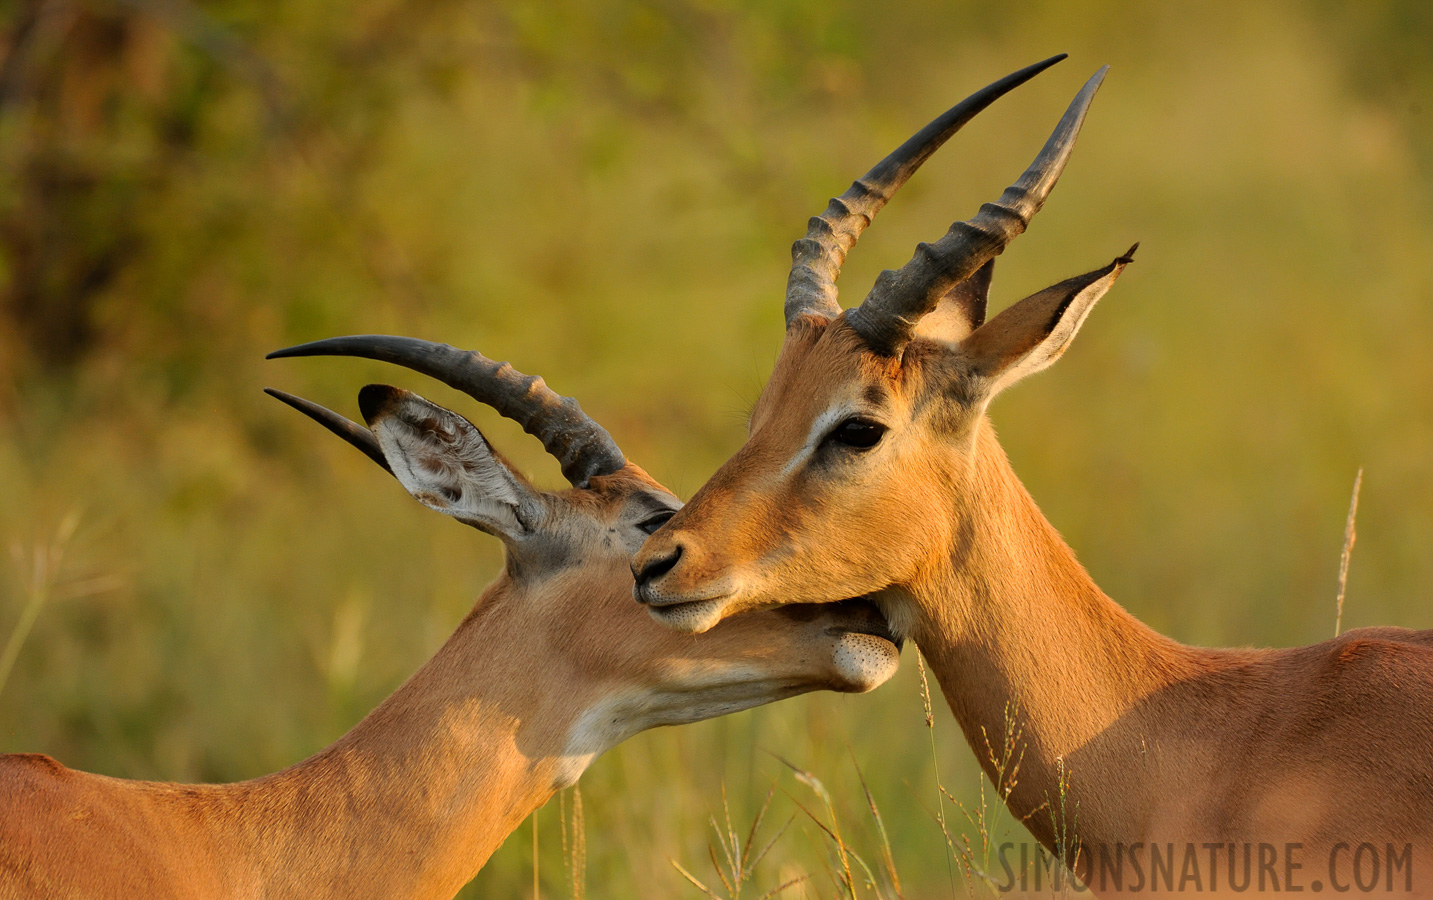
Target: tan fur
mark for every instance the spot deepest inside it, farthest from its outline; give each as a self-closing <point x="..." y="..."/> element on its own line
<point x="554" y="664"/>
<point x="1161" y="741"/>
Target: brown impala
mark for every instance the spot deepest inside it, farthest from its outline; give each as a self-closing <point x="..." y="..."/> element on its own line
<point x="552" y="667"/>
<point x="871" y="470"/>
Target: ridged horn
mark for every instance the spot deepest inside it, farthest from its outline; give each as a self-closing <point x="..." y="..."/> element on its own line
<point x="816" y="259"/>
<point x="888" y="317"/>
<point x="581" y="446"/>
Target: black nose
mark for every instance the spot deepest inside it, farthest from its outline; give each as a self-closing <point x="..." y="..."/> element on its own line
<point x="657" y="567"/>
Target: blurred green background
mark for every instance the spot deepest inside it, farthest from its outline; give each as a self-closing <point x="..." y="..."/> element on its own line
<point x="605" y="193"/>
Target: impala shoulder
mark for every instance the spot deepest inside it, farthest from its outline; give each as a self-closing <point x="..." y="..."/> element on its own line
<point x="31" y="782"/>
<point x="27" y="766"/>
<point x="1381" y="646"/>
<point x="1394" y="664"/>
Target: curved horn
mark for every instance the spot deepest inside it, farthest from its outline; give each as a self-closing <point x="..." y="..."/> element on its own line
<point x="347" y="429"/>
<point x="583" y="447"/>
<point x="888" y="316"/>
<point x="816" y="259"/>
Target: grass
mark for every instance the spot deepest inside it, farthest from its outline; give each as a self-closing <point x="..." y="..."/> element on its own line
<point x="1350" y="534"/>
<point x="604" y="192"/>
<point x="43" y="564"/>
<point x="735" y="867"/>
<point x="845" y="864"/>
<point x="970" y="847"/>
<point x="574" y="845"/>
<point x="45" y="579"/>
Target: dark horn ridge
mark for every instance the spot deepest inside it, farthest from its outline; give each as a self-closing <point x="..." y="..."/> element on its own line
<point x="583" y="447"/>
<point x="817" y="257"/>
<point x="900" y="297"/>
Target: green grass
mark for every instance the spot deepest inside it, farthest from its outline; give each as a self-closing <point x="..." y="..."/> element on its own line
<point x="604" y="192"/>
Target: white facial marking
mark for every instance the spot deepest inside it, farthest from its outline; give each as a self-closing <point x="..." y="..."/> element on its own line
<point x="865" y="661"/>
<point x="897" y="609"/>
<point x="605" y="725"/>
<point x="691" y="618"/>
<point x="704" y="693"/>
<point x="819" y="430"/>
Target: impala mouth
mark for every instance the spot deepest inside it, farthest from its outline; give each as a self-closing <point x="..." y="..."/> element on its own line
<point x="867" y="618"/>
<point x="868" y="650"/>
<point x="691" y="616"/>
<point x="855" y="615"/>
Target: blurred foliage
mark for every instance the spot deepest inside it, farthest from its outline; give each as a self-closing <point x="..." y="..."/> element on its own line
<point x="604" y="191"/>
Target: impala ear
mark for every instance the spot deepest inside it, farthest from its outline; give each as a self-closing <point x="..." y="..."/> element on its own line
<point x="447" y="464"/>
<point x="961" y="311"/>
<point x="1033" y="333"/>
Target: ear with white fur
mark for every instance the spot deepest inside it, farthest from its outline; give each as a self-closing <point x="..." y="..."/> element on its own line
<point x="447" y="464"/>
<point x="961" y="311"/>
<point x="1033" y="333"/>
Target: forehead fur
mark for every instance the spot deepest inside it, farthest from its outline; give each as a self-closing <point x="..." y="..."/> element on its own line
<point x="576" y="527"/>
<point x="820" y="358"/>
<point x="603" y="492"/>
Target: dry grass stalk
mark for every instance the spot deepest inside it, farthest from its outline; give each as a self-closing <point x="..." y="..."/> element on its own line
<point x="574" y="844"/>
<point x="888" y="859"/>
<point x="42" y="586"/>
<point x="1065" y="821"/>
<point x="1349" y="536"/>
<point x="737" y="865"/>
<point x="940" y="792"/>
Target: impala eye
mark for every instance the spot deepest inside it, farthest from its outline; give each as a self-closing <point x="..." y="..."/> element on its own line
<point x="861" y="434"/>
<point x="652" y="523"/>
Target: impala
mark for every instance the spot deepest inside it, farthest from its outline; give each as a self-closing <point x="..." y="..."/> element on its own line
<point x="553" y="666"/>
<point x="870" y="469"/>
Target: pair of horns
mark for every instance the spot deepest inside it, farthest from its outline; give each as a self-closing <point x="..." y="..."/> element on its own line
<point x="584" y="448"/>
<point x="888" y="317"/>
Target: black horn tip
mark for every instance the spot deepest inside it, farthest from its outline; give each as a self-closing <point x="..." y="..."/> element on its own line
<point x="297" y="403"/>
<point x="1128" y="256"/>
<point x="355" y="434"/>
<point x="296" y="350"/>
<point x="1020" y="76"/>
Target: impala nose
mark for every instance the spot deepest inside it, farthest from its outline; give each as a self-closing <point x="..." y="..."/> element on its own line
<point x="652" y="569"/>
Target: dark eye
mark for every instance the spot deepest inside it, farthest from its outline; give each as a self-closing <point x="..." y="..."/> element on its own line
<point x="652" y="523"/>
<point x="862" y="434"/>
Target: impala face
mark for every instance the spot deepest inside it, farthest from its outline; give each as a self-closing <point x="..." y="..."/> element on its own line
<point x="569" y="553"/>
<point x="565" y="592"/>
<point x="570" y="575"/>
<point x="857" y="472"/>
<point x="829" y="498"/>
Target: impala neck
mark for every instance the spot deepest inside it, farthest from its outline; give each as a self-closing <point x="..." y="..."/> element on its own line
<point x="415" y="798"/>
<point x="1011" y="621"/>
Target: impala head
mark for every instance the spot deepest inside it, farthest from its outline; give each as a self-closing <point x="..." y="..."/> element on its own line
<point x="856" y="472"/>
<point x="566" y="589"/>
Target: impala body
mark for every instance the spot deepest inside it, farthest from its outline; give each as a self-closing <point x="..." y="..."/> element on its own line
<point x="553" y="666"/>
<point x="871" y="469"/>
